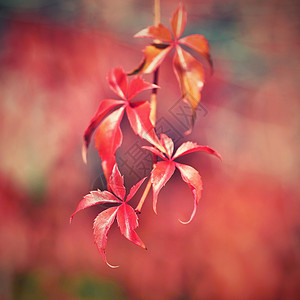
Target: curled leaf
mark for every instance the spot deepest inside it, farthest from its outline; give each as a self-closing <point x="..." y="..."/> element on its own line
<point x="163" y="170"/>
<point x="193" y="179"/>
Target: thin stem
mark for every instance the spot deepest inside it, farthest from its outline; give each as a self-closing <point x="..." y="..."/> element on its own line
<point x="153" y="102"/>
<point x="156" y="12"/>
<point x="143" y="198"/>
<point x="153" y="99"/>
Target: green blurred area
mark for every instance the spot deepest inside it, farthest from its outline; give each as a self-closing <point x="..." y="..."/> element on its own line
<point x="82" y="287"/>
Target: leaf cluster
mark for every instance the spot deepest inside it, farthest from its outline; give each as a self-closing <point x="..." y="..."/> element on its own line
<point x="108" y="133"/>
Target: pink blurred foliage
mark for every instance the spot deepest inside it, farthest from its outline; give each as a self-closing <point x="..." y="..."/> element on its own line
<point x="244" y="240"/>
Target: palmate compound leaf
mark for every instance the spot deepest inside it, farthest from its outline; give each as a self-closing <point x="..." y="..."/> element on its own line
<point x="106" y="121"/>
<point x="126" y="217"/>
<point x="163" y="170"/>
<point x="189" y="71"/>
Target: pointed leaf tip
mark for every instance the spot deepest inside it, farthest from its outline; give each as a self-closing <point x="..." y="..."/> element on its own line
<point x="191" y="217"/>
<point x="178" y="21"/>
<point x="128" y="221"/>
<point x="189" y="147"/>
<point x="154" y="55"/>
<point x="159" y="32"/>
<point x="102" y="224"/>
<point x="160" y="175"/>
<point x="193" y="179"/>
<point x="117" y="80"/>
<point x="116" y="183"/>
<point x="134" y="189"/>
<point x="168" y="144"/>
<point x="138" y="85"/>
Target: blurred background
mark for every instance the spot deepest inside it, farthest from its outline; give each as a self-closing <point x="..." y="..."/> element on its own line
<point x="244" y="242"/>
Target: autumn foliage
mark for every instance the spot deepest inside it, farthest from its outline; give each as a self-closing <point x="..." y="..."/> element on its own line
<point x="108" y="134"/>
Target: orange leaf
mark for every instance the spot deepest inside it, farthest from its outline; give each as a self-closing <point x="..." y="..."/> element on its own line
<point x="159" y="32"/>
<point x="198" y="43"/>
<point x="178" y="21"/>
<point x="154" y="54"/>
<point x="190" y="75"/>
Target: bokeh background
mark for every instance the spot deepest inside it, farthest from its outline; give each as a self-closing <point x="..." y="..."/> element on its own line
<point x="244" y="242"/>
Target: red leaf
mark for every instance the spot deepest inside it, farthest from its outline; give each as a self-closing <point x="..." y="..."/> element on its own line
<point x="93" y="198"/>
<point x="155" y="151"/>
<point x="178" y="21"/>
<point x="108" y="139"/>
<point x="134" y="189"/>
<point x="154" y="54"/>
<point x="189" y="147"/>
<point x="198" y="43"/>
<point x="193" y="179"/>
<point x="128" y="221"/>
<point x="116" y="183"/>
<point x="117" y="80"/>
<point x="138" y="85"/>
<point x="126" y="216"/>
<point x="168" y="144"/>
<point x="102" y="225"/>
<point x="159" y="32"/>
<point x="190" y="75"/>
<point x="163" y="170"/>
<point x="138" y="115"/>
<point x="160" y="175"/>
<point x="105" y="107"/>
